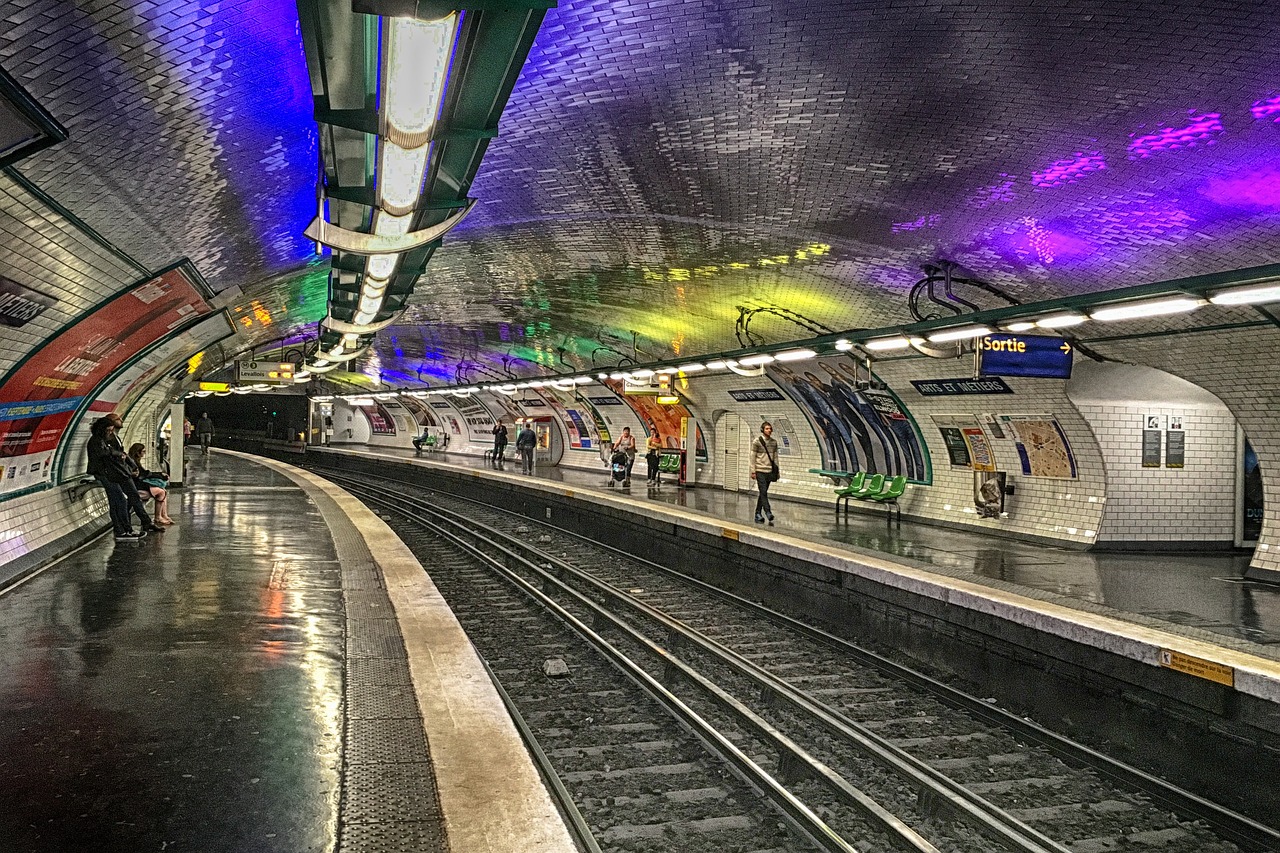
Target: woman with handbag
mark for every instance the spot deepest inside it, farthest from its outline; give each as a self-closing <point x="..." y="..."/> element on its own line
<point x="150" y="483"/>
<point x="764" y="469"/>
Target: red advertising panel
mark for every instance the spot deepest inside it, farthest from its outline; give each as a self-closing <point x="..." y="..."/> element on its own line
<point x="39" y="397"/>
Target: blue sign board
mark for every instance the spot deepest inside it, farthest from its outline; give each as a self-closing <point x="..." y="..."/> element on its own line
<point x="1034" y="356"/>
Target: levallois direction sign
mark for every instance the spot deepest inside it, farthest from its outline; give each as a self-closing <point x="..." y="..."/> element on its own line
<point x="1036" y="356"/>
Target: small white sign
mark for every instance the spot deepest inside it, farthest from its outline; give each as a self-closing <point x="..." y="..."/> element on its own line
<point x="1175" y="422"/>
<point x="1156" y="422"/>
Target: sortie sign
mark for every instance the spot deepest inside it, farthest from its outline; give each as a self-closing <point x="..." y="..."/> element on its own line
<point x="1034" y="356"/>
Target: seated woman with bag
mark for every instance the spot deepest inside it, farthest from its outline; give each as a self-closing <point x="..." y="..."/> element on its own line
<point x="150" y="483"/>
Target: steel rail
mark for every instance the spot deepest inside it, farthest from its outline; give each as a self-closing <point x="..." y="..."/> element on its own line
<point x="793" y="809"/>
<point x="1233" y="826"/>
<point x="934" y="789"/>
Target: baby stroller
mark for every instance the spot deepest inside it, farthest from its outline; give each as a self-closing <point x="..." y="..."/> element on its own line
<point x="617" y="468"/>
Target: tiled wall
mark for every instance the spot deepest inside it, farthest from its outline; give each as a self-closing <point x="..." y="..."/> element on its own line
<point x="1239" y="367"/>
<point x="1194" y="503"/>
<point x="1069" y="511"/>
<point x="59" y="517"/>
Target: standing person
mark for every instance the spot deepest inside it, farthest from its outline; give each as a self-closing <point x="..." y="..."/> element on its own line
<point x="204" y="429"/>
<point x="526" y="441"/>
<point x="500" y="435"/>
<point x="764" y="469"/>
<point x="147" y="482"/>
<point x="653" y="445"/>
<point x="627" y="444"/>
<point x="131" y="495"/>
<point x="114" y="478"/>
<point x="186" y="431"/>
<point x="328" y="430"/>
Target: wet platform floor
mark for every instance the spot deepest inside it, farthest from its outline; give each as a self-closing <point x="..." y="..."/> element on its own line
<point x="1187" y="593"/>
<point x="183" y="692"/>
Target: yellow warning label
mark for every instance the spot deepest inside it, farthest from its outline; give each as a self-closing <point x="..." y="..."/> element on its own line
<point x="1198" y="667"/>
<point x="729" y="534"/>
<point x="568" y="493"/>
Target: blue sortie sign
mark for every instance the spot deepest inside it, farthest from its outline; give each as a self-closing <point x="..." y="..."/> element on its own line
<point x="1025" y="355"/>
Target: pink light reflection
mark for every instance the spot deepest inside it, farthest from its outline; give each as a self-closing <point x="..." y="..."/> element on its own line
<point x="1202" y="130"/>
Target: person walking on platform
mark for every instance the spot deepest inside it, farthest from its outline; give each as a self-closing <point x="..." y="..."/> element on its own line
<point x="526" y="441"/>
<point x="500" y="435"/>
<point x="204" y="429"/>
<point x="627" y="444"/>
<point x="764" y="470"/>
<point x="653" y="445"/>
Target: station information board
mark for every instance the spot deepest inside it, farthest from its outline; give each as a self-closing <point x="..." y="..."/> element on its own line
<point x="264" y="371"/>
<point x="1034" y="356"/>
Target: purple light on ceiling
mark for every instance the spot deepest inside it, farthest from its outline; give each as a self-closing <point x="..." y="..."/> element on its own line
<point x="1070" y="170"/>
<point x="1267" y="108"/>
<point x="998" y="193"/>
<point x="929" y="221"/>
<point x="1203" y="129"/>
<point x="1252" y="189"/>
<point x="1032" y="241"/>
<point x="1129" y="224"/>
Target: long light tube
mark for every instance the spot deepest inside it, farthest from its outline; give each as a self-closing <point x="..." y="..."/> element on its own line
<point x="1247" y="295"/>
<point x="756" y="360"/>
<point x="882" y="344"/>
<point x="1149" y="308"/>
<point x="1061" y="321"/>
<point x="794" y="355"/>
<point x="963" y="333"/>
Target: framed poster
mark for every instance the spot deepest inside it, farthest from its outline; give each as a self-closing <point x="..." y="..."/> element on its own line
<point x="1042" y="446"/>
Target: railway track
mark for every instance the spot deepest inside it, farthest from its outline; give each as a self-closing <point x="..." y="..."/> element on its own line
<point x="852" y="751"/>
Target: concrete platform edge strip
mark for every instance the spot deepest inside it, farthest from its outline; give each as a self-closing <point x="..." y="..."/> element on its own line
<point x="491" y="795"/>
<point x="1254" y="676"/>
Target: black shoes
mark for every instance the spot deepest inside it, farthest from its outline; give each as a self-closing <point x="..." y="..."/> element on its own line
<point x="130" y="536"/>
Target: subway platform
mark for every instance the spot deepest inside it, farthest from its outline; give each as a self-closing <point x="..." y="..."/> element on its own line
<point x="1203" y="596"/>
<point x="274" y="673"/>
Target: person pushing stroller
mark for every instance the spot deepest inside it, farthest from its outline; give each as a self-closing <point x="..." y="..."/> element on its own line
<point x="624" y="452"/>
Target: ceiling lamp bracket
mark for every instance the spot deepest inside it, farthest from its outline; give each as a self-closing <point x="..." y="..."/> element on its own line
<point x="359" y="243"/>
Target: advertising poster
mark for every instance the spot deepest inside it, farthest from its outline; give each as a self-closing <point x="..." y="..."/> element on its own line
<point x="39" y="397"/>
<point x="858" y="429"/>
<point x="578" y="418"/>
<point x="477" y="418"/>
<point x="380" y="420"/>
<point x="957" y="438"/>
<point x="662" y="419"/>
<point x="1251" y="506"/>
<point x="980" y="456"/>
<point x="1042" y="446"/>
<point x="421" y="412"/>
<point x="127" y="386"/>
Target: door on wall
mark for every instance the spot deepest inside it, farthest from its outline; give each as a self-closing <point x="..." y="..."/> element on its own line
<point x="728" y="432"/>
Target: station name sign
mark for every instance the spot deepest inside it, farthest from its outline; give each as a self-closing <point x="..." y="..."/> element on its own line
<point x="756" y="395"/>
<point x="1032" y="356"/>
<point x="19" y="304"/>
<point x="960" y="387"/>
<point x="264" y="371"/>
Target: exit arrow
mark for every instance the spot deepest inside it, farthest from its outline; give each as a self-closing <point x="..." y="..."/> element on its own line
<point x="1066" y="348"/>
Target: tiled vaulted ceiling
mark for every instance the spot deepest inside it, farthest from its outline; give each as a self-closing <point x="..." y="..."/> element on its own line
<point x="668" y="168"/>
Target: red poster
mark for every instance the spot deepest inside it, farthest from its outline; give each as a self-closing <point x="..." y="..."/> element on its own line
<point x="39" y="397"/>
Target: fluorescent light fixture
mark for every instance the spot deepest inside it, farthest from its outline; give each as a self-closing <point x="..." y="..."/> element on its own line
<point x="418" y="54"/>
<point x="667" y="371"/>
<point x="794" y="355"/>
<point x="602" y="376"/>
<point x="1147" y="308"/>
<point x="537" y="383"/>
<point x="844" y="345"/>
<point x="617" y="376"/>
<point x="1019" y="326"/>
<point x="719" y="364"/>
<point x="1061" y="321"/>
<point x="961" y="334"/>
<point x="882" y="344"/>
<point x="644" y="373"/>
<point x="1247" y="295"/>
<point x="381" y="266"/>
<point x="756" y="360"/>
<point x="323" y="398"/>
<point x="691" y="367"/>
<point x="390" y="396"/>
<point x="400" y="178"/>
<point x="361" y="401"/>
<point x="583" y="380"/>
<point x="523" y="385"/>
